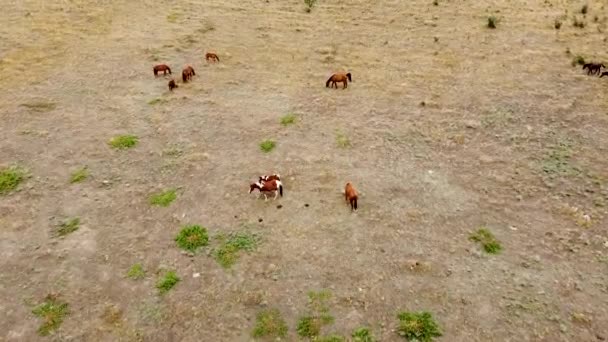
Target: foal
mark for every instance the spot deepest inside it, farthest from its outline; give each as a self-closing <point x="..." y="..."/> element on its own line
<point x="269" y="178"/>
<point x="339" y="77"/>
<point x="187" y="73"/>
<point x="211" y="56"/>
<point x="270" y="186"/>
<point x="350" y="194"/>
<point x="172" y="85"/>
<point x="161" y="67"/>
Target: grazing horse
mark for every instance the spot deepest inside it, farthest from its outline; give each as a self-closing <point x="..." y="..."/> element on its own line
<point x="161" y="67"/>
<point x="593" y="68"/>
<point x="187" y="73"/>
<point x="268" y="178"/>
<point x="350" y="194"/>
<point x="265" y="187"/>
<point x="605" y="73"/>
<point x="211" y="56"/>
<point x="340" y="77"/>
<point x="172" y="85"/>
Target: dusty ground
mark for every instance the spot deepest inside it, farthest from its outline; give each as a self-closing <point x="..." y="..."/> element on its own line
<point x="512" y="137"/>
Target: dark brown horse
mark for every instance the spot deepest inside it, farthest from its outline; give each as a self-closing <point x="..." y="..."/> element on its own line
<point x="266" y="187"/>
<point x="593" y="68"/>
<point x="211" y="56"/>
<point x="172" y="85"/>
<point x="187" y="74"/>
<point x="161" y="67"/>
<point x="351" y="196"/>
<point x="337" y="78"/>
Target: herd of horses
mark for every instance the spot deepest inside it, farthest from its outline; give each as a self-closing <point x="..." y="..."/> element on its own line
<point x="595" y="69"/>
<point x="268" y="184"/>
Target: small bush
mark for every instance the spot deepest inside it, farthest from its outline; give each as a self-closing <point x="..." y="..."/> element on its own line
<point x="487" y="241"/>
<point x="309" y="4"/>
<point x="417" y="326"/>
<point x="363" y="335"/>
<point x="342" y="140"/>
<point x="68" y="226"/>
<point x="557" y="24"/>
<point x="79" y="175"/>
<point x="123" y="142"/>
<point x="288" y="119"/>
<point x="136" y="272"/>
<point x="53" y="312"/>
<point x="228" y="252"/>
<point x="270" y="323"/>
<point x="584" y="9"/>
<point x="492" y="21"/>
<point x="167" y="282"/>
<point x="163" y="198"/>
<point x="10" y="178"/>
<point x="192" y="238"/>
<point x="267" y="145"/>
<point x="580" y="60"/>
<point x="308" y="326"/>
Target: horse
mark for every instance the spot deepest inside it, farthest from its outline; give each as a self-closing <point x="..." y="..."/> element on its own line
<point x="593" y="68"/>
<point x="339" y="77"/>
<point x="268" y="178"/>
<point x="161" y="67"/>
<point x="270" y="186"/>
<point x="187" y="73"/>
<point x="605" y="73"/>
<point x="172" y="85"/>
<point x="350" y="194"/>
<point x="211" y="56"/>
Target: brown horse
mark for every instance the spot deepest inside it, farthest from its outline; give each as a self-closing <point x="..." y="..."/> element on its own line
<point x="593" y="68"/>
<point x="161" y="67"/>
<point x="172" y="85"/>
<point x="605" y="73"/>
<point x="187" y="73"/>
<point x="211" y="56"/>
<point x="265" y="187"/>
<point x="339" y="77"/>
<point x="350" y="194"/>
<point x="268" y="178"/>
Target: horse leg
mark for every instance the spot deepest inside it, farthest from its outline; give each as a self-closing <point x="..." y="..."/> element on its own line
<point x="345" y="84"/>
<point x="265" y="197"/>
<point x="276" y="194"/>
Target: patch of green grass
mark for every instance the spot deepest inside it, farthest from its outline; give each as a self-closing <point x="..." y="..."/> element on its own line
<point x="288" y="119"/>
<point x="192" y="237"/>
<point x="167" y="282"/>
<point x="10" y="178"/>
<point x="269" y="323"/>
<point x="228" y="252"/>
<point x="79" y="175"/>
<point x="136" y="272"/>
<point x="492" y="22"/>
<point x="68" y="226"/>
<point x="487" y="241"/>
<point x="53" y="312"/>
<point x="309" y="4"/>
<point x="557" y="160"/>
<point x="40" y="106"/>
<point x="418" y="326"/>
<point x="123" y="142"/>
<point x="331" y="338"/>
<point x="267" y="145"/>
<point x="156" y="101"/>
<point x="308" y="326"/>
<point x="172" y="17"/>
<point x="578" y="60"/>
<point x="363" y="335"/>
<point x="342" y="140"/>
<point x="163" y="198"/>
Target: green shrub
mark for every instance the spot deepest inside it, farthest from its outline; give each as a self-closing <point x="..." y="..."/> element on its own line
<point x="10" y="178"/>
<point x="267" y="145"/>
<point x="53" y="312"/>
<point x="487" y="241"/>
<point x="167" y="282"/>
<point x="270" y="323"/>
<point x="163" y="198"/>
<point x="418" y="326"/>
<point x="192" y="238"/>
<point x="123" y="142"/>
<point x="492" y="22"/>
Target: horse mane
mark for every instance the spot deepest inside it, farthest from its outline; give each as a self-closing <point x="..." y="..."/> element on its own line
<point x="329" y="80"/>
<point x="349" y="78"/>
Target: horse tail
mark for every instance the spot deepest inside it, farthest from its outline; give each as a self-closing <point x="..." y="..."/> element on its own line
<point x="355" y="203"/>
<point x="349" y="78"/>
<point x="280" y="188"/>
<point x="217" y="57"/>
<point x="155" y="71"/>
<point x="329" y="80"/>
<point x="169" y="70"/>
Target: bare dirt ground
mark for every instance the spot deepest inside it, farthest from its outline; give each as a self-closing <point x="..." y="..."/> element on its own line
<point x="511" y="137"/>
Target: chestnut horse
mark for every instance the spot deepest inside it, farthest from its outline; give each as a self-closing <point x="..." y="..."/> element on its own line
<point x="605" y="73"/>
<point x="161" y="67"/>
<point x="187" y="73"/>
<point x="268" y="178"/>
<point x="172" y="85"/>
<point x="350" y="194"/>
<point x="339" y="77"/>
<point x="265" y="187"/>
<point x="593" y="68"/>
<point x="211" y="56"/>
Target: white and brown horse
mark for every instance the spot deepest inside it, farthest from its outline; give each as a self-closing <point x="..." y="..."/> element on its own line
<point x="269" y="178"/>
<point x="265" y="187"/>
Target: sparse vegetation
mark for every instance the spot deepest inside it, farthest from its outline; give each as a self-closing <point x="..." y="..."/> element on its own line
<point x="557" y="160"/>
<point x="418" y="326"/>
<point x="40" y="106"/>
<point x="557" y="24"/>
<point x="308" y="326"/>
<point x="487" y="241"/>
<point x="192" y="238"/>
<point x="10" y="178"/>
<point x="68" y="226"/>
<point x="331" y="338"/>
<point x="163" y="198"/>
<point x="269" y="323"/>
<point x="363" y="335"/>
<point x="79" y="175"/>
<point x="576" y="22"/>
<point x="156" y="101"/>
<point x="53" y="312"/>
<point x="492" y="22"/>
<point x="228" y="252"/>
<point x="167" y="282"/>
<point x="123" y="142"/>
<point x="267" y="145"/>
<point x="136" y="272"/>
<point x="288" y="119"/>
<point x="309" y="4"/>
<point x="578" y="60"/>
<point x="342" y="140"/>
